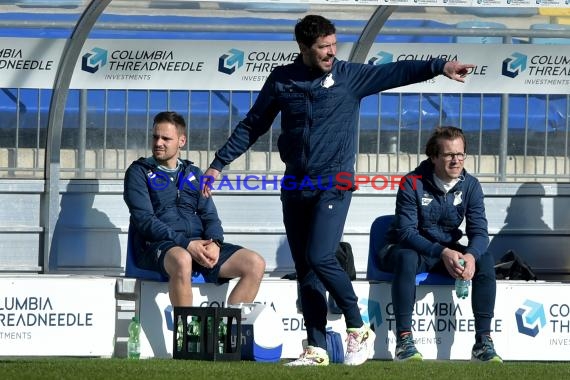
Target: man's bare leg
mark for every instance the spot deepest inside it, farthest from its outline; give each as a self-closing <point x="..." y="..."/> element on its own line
<point x="250" y="268"/>
<point x="178" y="265"/>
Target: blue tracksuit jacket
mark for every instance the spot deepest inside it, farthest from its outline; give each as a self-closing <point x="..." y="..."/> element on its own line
<point x="319" y="112"/>
<point x="427" y="219"/>
<point x="169" y="210"/>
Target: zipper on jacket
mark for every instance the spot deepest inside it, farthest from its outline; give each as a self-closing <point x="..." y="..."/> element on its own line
<point x="184" y="171"/>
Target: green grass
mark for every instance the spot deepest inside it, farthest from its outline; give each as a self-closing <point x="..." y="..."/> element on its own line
<point x="167" y="369"/>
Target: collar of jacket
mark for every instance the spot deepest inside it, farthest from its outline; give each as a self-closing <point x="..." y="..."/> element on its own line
<point x="146" y="163"/>
<point x="427" y="170"/>
<point x="312" y="73"/>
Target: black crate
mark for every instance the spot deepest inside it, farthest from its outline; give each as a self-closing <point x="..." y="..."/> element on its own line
<point x="205" y="343"/>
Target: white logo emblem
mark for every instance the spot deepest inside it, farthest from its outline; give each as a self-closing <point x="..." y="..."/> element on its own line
<point x="328" y="81"/>
<point x="457" y="200"/>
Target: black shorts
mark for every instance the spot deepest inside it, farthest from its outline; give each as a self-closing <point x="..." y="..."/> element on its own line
<point x="153" y="259"/>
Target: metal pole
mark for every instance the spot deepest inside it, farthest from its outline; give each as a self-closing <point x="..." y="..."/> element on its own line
<point x="504" y="137"/>
<point x="361" y="48"/>
<point x="71" y="51"/>
<point x="82" y="139"/>
<point x="504" y="133"/>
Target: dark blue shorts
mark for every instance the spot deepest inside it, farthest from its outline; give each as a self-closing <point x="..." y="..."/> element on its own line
<point x="153" y="259"/>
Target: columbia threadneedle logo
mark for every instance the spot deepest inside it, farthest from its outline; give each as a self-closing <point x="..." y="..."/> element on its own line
<point x="514" y="65"/>
<point x="94" y="60"/>
<point x="530" y="318"/>
<point x="381" y="58"/>
<point x="370" y="312"/>
<point x="231" y="61"/>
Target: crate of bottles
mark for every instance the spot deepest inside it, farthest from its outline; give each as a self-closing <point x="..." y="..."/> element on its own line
<point x="207" y="333"/>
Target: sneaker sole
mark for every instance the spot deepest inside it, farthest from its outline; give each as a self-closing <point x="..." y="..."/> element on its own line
<point x="414" y="358"/>
<point x="306" y="365"/>
<point x="495" y="360"/>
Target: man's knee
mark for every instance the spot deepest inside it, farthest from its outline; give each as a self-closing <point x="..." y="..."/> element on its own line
<point x="178" y="263"/>
<point x="244" y="263"/>
<point x="256" y="263"/>
<point x="486" y="264"/>
<point x="406" y="259"/>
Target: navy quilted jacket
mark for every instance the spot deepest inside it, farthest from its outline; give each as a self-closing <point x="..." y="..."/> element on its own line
<point x="319" y="112"/>
<point x="162" y="208"/>
<point x="427" y="219"/>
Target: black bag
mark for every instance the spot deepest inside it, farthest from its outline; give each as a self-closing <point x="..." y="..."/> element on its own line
<point x="512" y="267"/>
<point x="345" y="258"/>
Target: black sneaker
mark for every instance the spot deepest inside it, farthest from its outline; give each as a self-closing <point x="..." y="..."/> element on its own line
<point x="484" y="351"/>
<point x="406" y="349"/>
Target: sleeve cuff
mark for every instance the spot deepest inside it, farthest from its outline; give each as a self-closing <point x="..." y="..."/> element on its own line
<point x="437" y="65"/>
<point x="217" y="164"/>
<point x="182" y="241"/>
<point x="436" y="250"/>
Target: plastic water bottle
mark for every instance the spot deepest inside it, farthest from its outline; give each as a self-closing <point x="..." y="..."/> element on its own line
<point x="222" y="332"/>
<point x="179" y="334"/>
<point x="194" y="335"/>
<point x="133" y="344"/>
<point x="462" y="286"/>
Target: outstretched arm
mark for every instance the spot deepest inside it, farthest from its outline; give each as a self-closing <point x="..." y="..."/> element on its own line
<point x="369" y="79"/>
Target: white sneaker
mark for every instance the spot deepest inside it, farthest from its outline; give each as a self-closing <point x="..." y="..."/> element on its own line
<point x="359" y="345"/>
<point x="312" y="356"/>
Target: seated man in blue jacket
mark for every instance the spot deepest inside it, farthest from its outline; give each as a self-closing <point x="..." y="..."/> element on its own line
<point x="431" y="203"/>
<point x="177" y="229"/>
